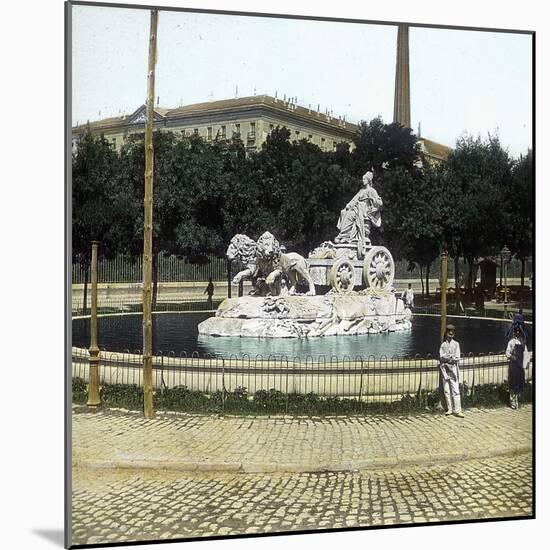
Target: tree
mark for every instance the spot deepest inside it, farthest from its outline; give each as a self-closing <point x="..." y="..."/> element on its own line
<point x="94" y="169"/>
<point x="521" y="206"/>
<point x="478" y="182"/>
<point x="384" y="147"/>
<point x="302" y="191"/>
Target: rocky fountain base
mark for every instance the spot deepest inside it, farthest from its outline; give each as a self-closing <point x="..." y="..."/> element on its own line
<point x="363" y="312"/>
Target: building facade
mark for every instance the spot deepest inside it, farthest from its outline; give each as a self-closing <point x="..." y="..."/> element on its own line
<point x="250" y="118"/>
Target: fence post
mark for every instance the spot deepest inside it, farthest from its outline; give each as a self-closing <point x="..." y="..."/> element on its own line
<point x="361" y="387"/>
<point x="223" y="385"/>
<point x="93" y="376"/>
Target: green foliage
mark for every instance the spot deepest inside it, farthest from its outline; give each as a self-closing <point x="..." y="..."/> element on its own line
<point x="80" y="391"/>
<point x="273" y="401"/>
<point x="122" y="395"/>
<point x="94" y="172"/>
<point x="520" y="203"/>
<point x="205" y="192"/>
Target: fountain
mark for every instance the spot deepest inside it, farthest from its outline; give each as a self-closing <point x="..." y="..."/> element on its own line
<point x="360" y="300"/>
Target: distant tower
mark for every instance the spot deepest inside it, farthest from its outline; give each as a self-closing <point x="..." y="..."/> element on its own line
<point x="402" y="99"/>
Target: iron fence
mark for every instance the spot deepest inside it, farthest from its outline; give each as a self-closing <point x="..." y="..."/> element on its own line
<point x="124" y="268"/>
<point x="127" y="269"/>
<point x="465" y="310"/>
<point x="285" y="385"/>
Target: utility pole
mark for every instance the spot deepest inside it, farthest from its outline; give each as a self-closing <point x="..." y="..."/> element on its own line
<point x="148" y="226"/>
<point x="444" y="258"/>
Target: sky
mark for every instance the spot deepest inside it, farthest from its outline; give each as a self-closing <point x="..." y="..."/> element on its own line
<point x="462" y="82"/>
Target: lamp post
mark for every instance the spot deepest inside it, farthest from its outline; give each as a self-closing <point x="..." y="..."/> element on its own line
<point x="505" y="256"/>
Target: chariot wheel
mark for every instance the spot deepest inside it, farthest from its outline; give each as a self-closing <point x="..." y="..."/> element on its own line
<point x="342" y="276"/>
<point x="378" y="268"/>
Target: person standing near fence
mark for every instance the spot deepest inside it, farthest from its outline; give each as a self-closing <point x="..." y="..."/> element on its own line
<point x="449" y="358"/>
<point x="210" y="291"/>
<point x="517" y="353"/>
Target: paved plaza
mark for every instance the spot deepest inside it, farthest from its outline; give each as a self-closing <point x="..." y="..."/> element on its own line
<point x="183" y="476"/>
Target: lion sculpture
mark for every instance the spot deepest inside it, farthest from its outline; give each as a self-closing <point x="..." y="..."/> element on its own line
<point x="264" y="260"/>
<point x="244" y="249"/>
<point x="289" y="264"/>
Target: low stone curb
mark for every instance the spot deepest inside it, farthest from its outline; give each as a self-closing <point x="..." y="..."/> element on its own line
<point x="378" y="463"/>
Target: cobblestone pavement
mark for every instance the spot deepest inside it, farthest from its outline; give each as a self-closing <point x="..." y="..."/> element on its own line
<point x="132" y="505"/>
<point x="181" y="442"/>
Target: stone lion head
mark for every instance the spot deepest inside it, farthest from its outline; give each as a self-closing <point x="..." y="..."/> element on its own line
<point x="268" y="247"/>
<point x="241" y="248"/>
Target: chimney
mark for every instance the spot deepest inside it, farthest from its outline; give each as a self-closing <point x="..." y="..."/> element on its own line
<point x="158" y="100"/>
<point x="402" y="96"/>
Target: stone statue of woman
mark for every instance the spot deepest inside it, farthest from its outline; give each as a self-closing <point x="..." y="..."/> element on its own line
<point x="359" y="215"/>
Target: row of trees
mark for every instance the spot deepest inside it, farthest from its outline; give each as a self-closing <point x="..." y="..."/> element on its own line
<point x="204" y="193"/>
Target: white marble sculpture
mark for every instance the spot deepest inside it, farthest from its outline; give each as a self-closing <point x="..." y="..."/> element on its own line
<point x="351" y="262"/>
<point x="361" y="212"/>
<point x="264" y="261"/>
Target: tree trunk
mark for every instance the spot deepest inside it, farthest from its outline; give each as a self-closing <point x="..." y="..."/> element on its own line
<point x="155" y="279"/>
<point x="523" y="262"/>
<point x="457" y="280"/>
<point x="421" y="279"/>
<point x="428" y="279"/>
<point x="471" y="279"/>
<point x="85" y="297"/>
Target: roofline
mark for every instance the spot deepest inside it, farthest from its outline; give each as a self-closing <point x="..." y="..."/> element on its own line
<point x="170" y="116"/>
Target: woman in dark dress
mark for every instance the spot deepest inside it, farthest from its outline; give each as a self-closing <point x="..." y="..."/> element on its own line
<point x="515" y="352"/>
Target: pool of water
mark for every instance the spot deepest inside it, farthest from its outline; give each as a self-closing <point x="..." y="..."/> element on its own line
<point x="178" y="332"/>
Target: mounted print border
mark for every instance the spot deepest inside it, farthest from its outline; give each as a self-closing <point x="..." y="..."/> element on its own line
<point x="300" y="274"/>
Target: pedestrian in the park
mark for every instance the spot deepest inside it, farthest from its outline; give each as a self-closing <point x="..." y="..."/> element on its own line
<point x="449" y="358"/>
<point x="210" y="291"/>
<point x="517" y="353"/>
<point x="408" y="297"/>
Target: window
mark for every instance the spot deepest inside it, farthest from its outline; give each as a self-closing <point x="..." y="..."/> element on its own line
<point x="209" y="131"/>
<point x="184" y="132"/>
<point x="224" y="132"/>
<point x="271" y="127"/>
<point x="322" y="143"/>
<point x="238" y="129"/>
<point x="310" y="137"/>
<point x="195" y="131"/>
<point x="252" y="129"/>
<point x="334" y="146"/>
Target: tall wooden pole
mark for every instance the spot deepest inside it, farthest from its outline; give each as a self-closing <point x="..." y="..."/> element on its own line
<point x="93" y="387"/>
<point x="444" y="259"/>
<point x="148" y="227"/>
